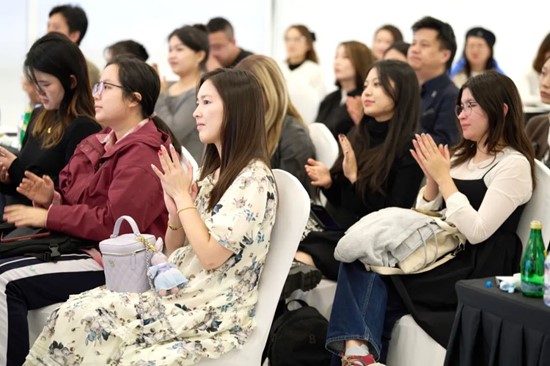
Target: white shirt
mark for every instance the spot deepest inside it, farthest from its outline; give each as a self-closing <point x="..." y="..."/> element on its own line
<point x="509" y="185"/>
<point x="306" y="88"/>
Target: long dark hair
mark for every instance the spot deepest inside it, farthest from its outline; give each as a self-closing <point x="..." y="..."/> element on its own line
<point x="136" y="76"/>
<point x="492" y="91"/>
<point x="56" y="55"/>
<point x="243" y="128"/>
<point x="374" y="163"/>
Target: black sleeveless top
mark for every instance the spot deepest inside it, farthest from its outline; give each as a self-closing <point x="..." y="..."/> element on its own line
<point x="431" y="298"/>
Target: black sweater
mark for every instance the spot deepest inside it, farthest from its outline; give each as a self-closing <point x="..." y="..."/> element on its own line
<point x="40" y="161"/>
<point x="401" y="186"/>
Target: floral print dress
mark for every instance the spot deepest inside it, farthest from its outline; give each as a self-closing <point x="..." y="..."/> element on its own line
<point x="211" y="315"/>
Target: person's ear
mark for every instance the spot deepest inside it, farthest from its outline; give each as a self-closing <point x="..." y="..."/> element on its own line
<point x="74" y="36"/>
<point x="136" y="100"/>
<point x="74" y="82"/>
<point x="200" y="56"/>
<point x="505" y="108"/>
<point x="445" y="55"/>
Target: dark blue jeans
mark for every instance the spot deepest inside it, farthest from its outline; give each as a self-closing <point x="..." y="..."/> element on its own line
<point x="366" y="307"/>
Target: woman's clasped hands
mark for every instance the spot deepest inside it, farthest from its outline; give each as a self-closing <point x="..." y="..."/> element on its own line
<point x="433" y="159"/>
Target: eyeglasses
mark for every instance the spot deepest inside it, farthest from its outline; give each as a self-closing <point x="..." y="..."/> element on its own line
<point x="466" y="108"/>
<point x="98" y="88"/>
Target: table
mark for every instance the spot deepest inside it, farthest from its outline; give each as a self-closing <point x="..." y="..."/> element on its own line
<point x="492" y="327"/>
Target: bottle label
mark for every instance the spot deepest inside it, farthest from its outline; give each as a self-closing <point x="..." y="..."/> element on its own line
<point x="531" y="288"/>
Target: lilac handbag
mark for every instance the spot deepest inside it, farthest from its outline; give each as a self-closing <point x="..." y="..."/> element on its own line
<point x="126" y="258"/>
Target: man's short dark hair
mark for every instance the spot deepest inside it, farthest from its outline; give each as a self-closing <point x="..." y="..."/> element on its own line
<point x="220" y="24"/>
<point x="75" y="17"/>
<point x="445" y="34"/>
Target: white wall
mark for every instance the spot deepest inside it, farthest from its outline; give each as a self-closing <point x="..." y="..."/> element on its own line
<point x="259" y="26"/>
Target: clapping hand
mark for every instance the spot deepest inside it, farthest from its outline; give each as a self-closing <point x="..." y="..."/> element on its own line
<point x="318" y="173"/>
<point x="39" y="190"/>
<point x="174" y="179"/>
<point x="21" y="215"/>
<point x="6" y="159"/>
<point x="349" y="163"/>
<point x="433" y="159"/>
<point x="354" y="107"/>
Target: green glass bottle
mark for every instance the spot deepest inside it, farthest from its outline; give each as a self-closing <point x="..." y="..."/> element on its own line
<point x="532" y="263"/>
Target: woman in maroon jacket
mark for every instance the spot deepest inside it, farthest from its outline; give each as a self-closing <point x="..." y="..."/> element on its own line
<point x="108" y="176"/>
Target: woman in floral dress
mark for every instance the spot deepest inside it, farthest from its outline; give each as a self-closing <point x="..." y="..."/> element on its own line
<point x="226" y="229"/>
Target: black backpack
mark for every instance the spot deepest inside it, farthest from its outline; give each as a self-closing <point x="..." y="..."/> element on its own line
<point x="297" y="337"/>
<point x="47" y="248"/>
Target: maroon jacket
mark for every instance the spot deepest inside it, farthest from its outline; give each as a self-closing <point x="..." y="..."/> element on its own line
<point x="98" y="187"/>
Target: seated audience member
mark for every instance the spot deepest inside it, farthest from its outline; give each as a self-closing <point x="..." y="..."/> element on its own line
<point x="351" y="62"/>
<point x="397" y="51"/>
<point x="56" y="69"/>
<point x="477" y="56"/>
<point x="288" y="141"/>
<point x="224" y="51"/>
<point x="302" y="71"/>
<point x="108" y="176"/>
<point x="188" y="52"/>
<point x="537" y="127"/>
<point x="126" y="47"/>
<point x="484" y="186"/>
<point x="530" y="93"/>
<point x="218" y="238"/>
<point x="431" y="56"/>
<point x="374" y="169"/>
<point x="71" y="20"/>
<point x="384" y="37"/>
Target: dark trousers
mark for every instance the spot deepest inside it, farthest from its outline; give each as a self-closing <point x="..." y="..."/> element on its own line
<point x="27" y="283"/>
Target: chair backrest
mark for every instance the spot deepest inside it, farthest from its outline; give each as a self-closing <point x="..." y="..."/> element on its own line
<point x="292" y="215"/>
<point x="537" y="207"/>
<point x="326" y="146"/>
<point x="187" y="155"/>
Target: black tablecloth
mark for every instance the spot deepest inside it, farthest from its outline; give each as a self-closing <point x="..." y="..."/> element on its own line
<point x="493" y="327"/>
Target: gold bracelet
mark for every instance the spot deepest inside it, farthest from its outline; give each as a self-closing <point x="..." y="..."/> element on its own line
<point x="186" y="208"/>
<point x="172" y="227"/>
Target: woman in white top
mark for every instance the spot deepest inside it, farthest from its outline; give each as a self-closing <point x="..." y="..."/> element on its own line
<point x="302" y="71"/>
<point x="484" y="188"/>
<point x="188" y="52"/>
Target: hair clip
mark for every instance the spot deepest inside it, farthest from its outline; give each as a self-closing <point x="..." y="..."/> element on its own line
<point x="312" y="34"/>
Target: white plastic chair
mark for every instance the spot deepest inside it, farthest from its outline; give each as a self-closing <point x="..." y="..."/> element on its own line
<point x="537" y="207"/>
<point x="326" y="146"/>
<point x="187" y="155"/>
<point x="292" y="214"/>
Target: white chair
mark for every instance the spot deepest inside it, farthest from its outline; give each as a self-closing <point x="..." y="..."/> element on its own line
<point x="537" y="208"/>
<point x="292" y="214"/>
<point x="326" y="146"/>
<point x="187" y="155"/>
<point x="410" y="343"/>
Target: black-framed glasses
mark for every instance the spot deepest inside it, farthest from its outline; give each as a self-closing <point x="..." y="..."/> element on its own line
<point x="466" y="108"/>
<point x="98" y="88"/>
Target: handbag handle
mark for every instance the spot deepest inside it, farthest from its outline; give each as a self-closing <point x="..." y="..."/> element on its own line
<point x="130" y="221"/>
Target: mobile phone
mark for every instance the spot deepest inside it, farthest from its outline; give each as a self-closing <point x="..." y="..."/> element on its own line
<point x="323" y="218"/>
